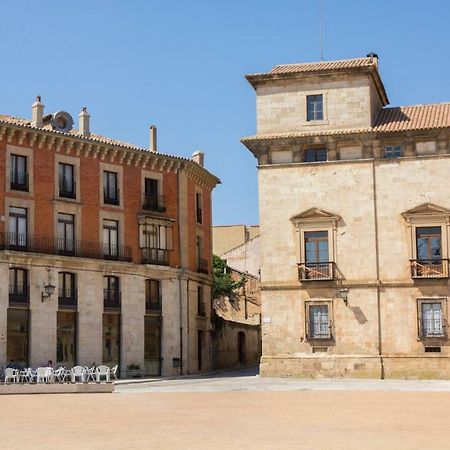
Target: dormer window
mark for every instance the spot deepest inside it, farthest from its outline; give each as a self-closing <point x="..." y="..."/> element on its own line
<point x="316" y="155"/>
<point x="314" y="107"/>
<point x="393" y="151"/>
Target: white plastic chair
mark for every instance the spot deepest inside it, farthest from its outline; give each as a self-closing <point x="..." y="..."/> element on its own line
<point x="113" y="372"/>
<point x="77" y="372"/>
<point x="43" y="374"/>
<point x="102" y="371"/>
<point x="90" y="374"/>
<point x="59" y="374"/>
<point x="11" y="375"/>
<point x="26" y="375"/>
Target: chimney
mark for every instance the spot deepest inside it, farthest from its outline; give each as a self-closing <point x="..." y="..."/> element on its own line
<point x="83" y="122"/>
<point x="199" y="157"/>
<point x="37" y="113"/>
<point x="153" y="147"/>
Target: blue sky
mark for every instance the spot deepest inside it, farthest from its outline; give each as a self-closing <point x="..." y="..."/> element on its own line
<point x="180" y="65"/>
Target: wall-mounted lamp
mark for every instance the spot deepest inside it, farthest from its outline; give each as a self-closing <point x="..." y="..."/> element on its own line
<point x="344" y="295"/>
<point x="49" y="289"/>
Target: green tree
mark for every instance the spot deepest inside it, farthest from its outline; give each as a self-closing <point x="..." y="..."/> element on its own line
<point x="223" y="284"/>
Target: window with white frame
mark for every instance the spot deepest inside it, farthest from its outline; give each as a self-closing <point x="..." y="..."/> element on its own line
<point x="314" y="107"/>
<point x="393" y="151"/>
<point x="432" y="322"/>
<point x="155" y="240"/>
<point x="318" y="323"/>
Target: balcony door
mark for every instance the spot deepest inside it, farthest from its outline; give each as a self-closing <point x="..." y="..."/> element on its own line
<point x="316" y="254"/>
<point x="66" y="234"/>
<point x="110" y="238"/>
<point x="17" y="227"/>
<point x="429" y="243"/>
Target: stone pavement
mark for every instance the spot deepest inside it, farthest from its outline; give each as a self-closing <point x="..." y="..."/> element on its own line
<point x="234" y="411"/>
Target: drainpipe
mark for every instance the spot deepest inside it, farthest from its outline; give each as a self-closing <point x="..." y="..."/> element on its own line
<point x="377" y="264"/>
<point x="180" y="275"/>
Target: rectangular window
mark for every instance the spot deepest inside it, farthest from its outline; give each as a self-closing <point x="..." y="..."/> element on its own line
<point x="317" y="263"/>
<point x="111" y="292"/>
<point x="201" y="310"/>
<point x="199" y="207"/>
<point x="66" y="234"/>
<point x="110" y="238"/>
<point x="153" y="201"/>
<point x="67" y="295"/>
<point x="67" y="181"/>
<point x="110" y="188"/>
<point x="19" y="174"/>
<point x="428" y="241"/>
<point x="66" y="338"/>
<point x="111" y="339"/>
<point x="152" y="295"/>
<point x="319" y="324"/>
<point x="17" y="236"/>
<point x="17" y="336"/>
<point x="432" y="320"/>
<point x="152" y="345"/>
<point x="314" y="107"/>
<point x="393" y="151"/>
<point x="155" y="242"/>
<point x="18" y="286"/>
<point x="316" y="155"/>
<point x="202" y="264"/>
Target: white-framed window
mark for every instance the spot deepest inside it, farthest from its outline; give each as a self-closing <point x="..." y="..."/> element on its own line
<point x="314" y="107"/>
<point x="318" y="320"/>
<point x="393" y="151"/>
<point x="432" y="314"/>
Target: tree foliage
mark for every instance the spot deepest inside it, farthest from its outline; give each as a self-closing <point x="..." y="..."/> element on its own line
<point x="223" y="284"/>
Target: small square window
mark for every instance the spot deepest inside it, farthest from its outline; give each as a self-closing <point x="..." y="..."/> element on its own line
<point x="314" y="107"/>
<point x="393" y="151"/>
<point x="316" y="155"/>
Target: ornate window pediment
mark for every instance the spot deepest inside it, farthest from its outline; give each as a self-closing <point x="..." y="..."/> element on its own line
<point x="427" y="211"/>
<point x="315" y="216"/>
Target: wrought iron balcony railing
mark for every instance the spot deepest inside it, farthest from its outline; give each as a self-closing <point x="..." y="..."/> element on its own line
<point x="316" y="271"/>
<point x="58" y="246"/>
<point x="111" y="299"/>
<point x="154" y="203"/>
<point x="67" y="298"/>
<point x="19" y="181"/>
<point x="111" y="197"/>
<point x="155" y="256"/>
<point x="433" y="328"/>
<point x="19" y="293"/>
<point x="429" y="268"/>
<point x="202" y="266"/>
<point x="67" y="188"/>
<point x="153" y="304"/>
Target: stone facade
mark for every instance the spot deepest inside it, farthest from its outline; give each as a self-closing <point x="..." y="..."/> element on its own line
<point x="357" y="303"/>
<point x="163" y="236"/>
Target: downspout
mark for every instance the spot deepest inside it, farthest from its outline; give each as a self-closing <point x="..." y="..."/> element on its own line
<point x="377" y="265"/>
<point x="180" y="274"/>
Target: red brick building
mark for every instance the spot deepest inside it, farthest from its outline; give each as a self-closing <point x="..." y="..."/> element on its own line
<point x="121" y="234"/>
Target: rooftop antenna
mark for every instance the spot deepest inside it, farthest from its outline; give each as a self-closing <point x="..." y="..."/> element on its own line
<point x="321" y="29"/>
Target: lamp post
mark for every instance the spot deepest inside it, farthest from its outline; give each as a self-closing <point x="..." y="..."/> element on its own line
<point x="344" y="295"/>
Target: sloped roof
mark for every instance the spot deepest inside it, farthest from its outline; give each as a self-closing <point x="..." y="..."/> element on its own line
<point x="408" y="118"/>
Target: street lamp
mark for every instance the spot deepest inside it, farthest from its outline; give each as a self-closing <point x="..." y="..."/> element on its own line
<point x="49" y="289"/>
<point x="344" y="295"/>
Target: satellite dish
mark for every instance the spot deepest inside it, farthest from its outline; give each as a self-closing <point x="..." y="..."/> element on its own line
<point x="61" y="121"/>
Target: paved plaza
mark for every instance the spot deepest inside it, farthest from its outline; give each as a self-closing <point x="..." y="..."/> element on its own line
<point x="235" y="410"/>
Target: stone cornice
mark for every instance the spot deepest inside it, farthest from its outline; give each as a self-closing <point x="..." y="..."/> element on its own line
<point x="28" y="136"/>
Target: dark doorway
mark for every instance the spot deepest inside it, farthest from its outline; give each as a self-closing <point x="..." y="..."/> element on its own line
<point x="199" y="348"/>
<point x="241" y="347"/>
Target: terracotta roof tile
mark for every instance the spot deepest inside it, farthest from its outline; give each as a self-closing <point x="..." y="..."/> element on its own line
<point x="324" y="66"/>
<point x="418" y="117"/>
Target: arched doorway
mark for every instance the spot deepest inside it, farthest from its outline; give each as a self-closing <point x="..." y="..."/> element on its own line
<point x="241" y="347"/>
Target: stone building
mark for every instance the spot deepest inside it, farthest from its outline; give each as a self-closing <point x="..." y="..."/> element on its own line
<point x="105" y="249"/>
<point x="355" y="224"/>
<point x="227" y="237"/>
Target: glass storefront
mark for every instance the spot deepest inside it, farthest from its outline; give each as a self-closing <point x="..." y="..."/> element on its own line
<point x="111" y="339"/>
<point x="18" y="336"/>
<point x="66" y="338"/>
<point x="152" y="346"/>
